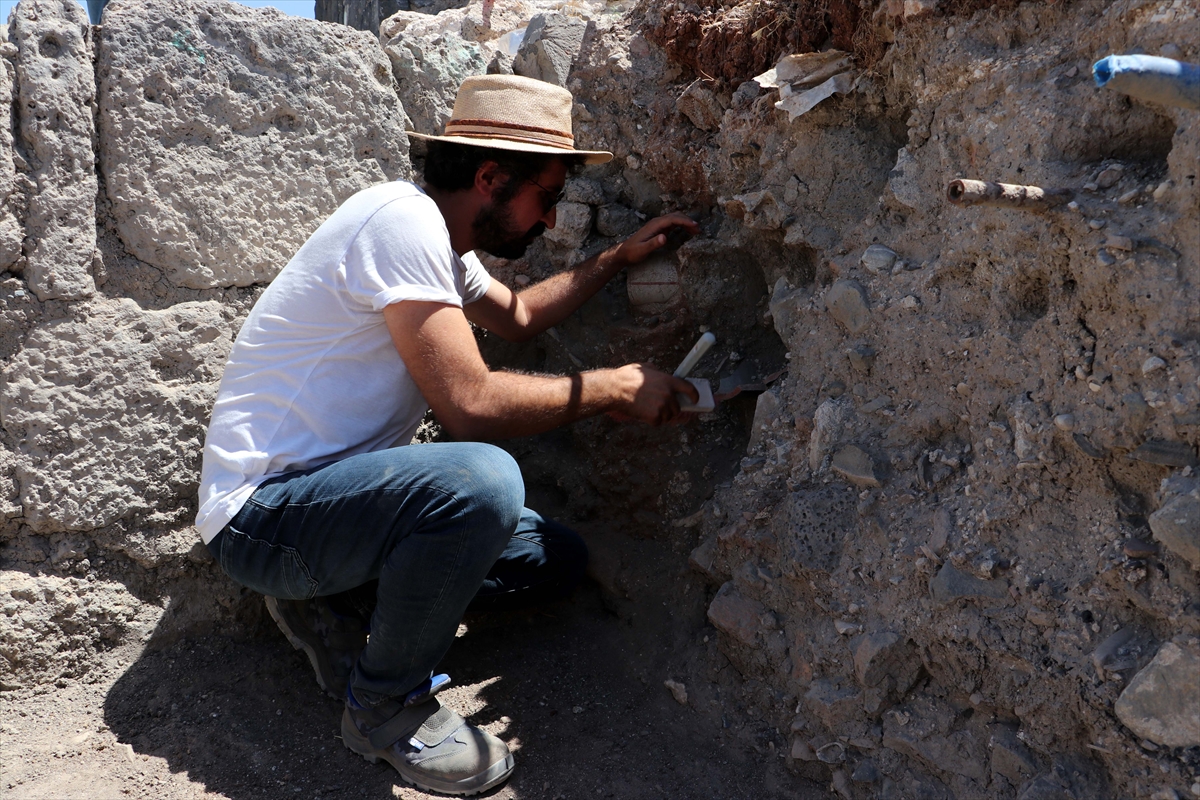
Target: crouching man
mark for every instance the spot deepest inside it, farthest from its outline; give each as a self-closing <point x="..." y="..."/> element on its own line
<point x="308" y="493"/>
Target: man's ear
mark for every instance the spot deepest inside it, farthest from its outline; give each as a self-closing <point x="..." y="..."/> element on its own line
<point x="489" y="178"/>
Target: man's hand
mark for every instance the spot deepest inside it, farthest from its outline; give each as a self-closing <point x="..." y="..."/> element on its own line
<point x="652" y="236"/>
<point x="647" y="395"/>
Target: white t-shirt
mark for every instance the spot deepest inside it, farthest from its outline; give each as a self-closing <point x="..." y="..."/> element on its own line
<point x="313" y="376"/>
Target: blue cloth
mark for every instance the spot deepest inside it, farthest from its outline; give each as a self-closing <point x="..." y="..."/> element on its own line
<point x="95" y="9"/>
<point x="439" y="526"/>
<point x="1153" y="78"/>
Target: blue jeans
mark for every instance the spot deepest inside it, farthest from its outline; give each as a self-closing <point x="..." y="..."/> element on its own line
<point x="439" y="526"/>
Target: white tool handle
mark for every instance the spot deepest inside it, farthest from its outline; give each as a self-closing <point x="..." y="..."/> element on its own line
<point x="693" y="357"/>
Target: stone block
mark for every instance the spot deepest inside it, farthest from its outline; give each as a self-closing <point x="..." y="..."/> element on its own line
<point x="12" y="234"/>
<point x="56" y="97"/>
<point x="108" y="411"/>
<point x="550" y="47"/>
<point x="221" y="152"/>
<point x="1162" y="702"/>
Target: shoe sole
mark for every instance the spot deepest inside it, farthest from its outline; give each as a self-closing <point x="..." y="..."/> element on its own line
<point x="491" y="777"/>
<point x="301" y="645"/>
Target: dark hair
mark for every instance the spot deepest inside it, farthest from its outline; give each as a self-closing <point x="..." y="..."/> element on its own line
<point x="451" y="167"/>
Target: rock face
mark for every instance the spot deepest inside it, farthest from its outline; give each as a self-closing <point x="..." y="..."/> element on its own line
<point x="219" y="156"/>
<point x="1162" y="702"/>
<point x="56" y="95"/>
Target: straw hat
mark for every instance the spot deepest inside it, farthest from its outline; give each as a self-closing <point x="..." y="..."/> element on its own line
<point x="510" y="112"/>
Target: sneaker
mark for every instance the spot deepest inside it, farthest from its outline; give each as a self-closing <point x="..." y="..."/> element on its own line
<point x="429" y="745"/>
<point x="331" y="641"/>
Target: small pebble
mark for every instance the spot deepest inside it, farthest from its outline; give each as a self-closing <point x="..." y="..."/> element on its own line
<point x="1105" y="258"/>
<point x="1129" y="196"/>
<point x="1072" y="72"/>
<point x="678" y="691"/>
<point x="1153" y="364"/>
<point x="1073" y="206"/>
<point x="1097" y="224"/>
<point x="577" y="710"/>
<point x="847" y="628"/>
<point x="976" y="699"/>
<point x="1065" y="422"/>
<point x="910" y="302"/>
<point x="1115" y="242"/>
<point x="963" y="389"/>
<point x="1090" y="187"/>
<point x="950" y="32"/>
<point x="522" y="280"/>
<point x="1162" y="190"/>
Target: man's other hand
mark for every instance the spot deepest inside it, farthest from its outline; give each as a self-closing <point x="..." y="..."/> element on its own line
<point x="652" y="236"/>
<point x="647" y="395"/>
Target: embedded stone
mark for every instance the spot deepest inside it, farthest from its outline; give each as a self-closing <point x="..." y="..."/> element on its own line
<point x="617" y="220"/>
<point x="701" y="106"/>
<point x="1010" y="757"/>
<point x="1162" y="702"/>
<point x="951" y="584"/>
<point x="1177" y="522"/>
<point x="855" y="466"/>
<point x="1166" y="453"/>
<point x="574" y="223"/>
<point x="879" y="259"/>
<point x="737" y="616"/>
<point x="847" y="304"/>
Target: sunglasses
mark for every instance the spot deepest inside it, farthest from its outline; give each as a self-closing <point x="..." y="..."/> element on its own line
<point x="551" y="199"/>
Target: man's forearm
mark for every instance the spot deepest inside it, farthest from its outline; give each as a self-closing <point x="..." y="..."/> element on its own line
<point x="509" y="404"/>
<point x="556" y="298"/>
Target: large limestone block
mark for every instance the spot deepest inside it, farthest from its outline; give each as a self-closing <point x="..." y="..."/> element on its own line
<point x="108" y="410"/>
<point x="430" y="61"/>
<point x="56" y="94"/>
<point x="228" y="134"/>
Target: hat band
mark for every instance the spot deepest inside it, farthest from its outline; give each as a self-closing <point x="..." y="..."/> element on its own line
<point x="494" y="129"/>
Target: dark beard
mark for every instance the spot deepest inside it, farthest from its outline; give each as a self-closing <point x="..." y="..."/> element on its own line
<point x="493" y="232"/>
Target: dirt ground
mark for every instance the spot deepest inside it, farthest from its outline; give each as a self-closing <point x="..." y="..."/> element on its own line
<point x="575" y="689"/>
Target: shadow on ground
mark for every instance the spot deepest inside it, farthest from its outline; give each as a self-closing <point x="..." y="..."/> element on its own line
<point x="246" y="719"/>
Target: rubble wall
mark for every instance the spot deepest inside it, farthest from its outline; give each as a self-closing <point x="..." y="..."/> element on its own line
<point x="939" y="538"/>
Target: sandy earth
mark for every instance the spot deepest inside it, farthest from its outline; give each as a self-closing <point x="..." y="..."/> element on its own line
<point x="575" y="690"/>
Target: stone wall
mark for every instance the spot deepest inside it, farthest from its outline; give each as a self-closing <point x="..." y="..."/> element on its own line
<point x="156" y="173"/>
